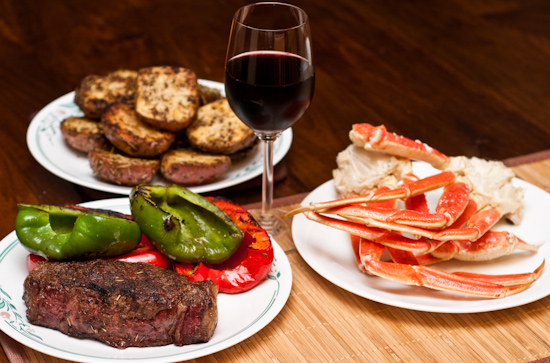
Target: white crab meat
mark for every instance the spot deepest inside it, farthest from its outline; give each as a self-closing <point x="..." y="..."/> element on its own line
<point x="491" y="185"/>
<point x="361" y="171"/>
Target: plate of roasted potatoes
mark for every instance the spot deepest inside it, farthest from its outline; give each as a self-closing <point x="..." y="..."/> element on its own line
<point x="155" y="125"/>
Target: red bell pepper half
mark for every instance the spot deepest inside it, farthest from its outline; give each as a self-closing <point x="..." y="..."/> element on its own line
<point x="247" y="267"/>
<point x="147" y="253"/>
<point x="144" y="252"/>
<point x="33" y="260"/>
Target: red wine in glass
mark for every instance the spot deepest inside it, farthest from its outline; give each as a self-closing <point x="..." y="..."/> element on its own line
<point x="269" y="90"/>
<point x="269" y="80"/>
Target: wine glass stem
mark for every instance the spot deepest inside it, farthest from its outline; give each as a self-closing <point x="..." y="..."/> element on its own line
<point x="267" y="179"/>
<point x="267" y="219"/>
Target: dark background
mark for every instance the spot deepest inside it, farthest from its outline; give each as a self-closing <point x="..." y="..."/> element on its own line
<point x="467" y="77"/>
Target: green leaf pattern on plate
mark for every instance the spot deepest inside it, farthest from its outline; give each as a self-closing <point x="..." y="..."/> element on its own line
<point x="49" y="126"/>
<point x="11" y="316"/>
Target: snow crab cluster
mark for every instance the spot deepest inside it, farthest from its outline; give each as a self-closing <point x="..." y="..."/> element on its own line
<point x="384" y="208"/>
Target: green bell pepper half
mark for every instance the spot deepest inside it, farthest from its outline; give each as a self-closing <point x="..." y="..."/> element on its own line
<point x="183" y="225"/>
<point x="62" y="233"/>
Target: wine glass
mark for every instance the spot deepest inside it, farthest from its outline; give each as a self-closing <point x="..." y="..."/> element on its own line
<point x="269" y="79"/>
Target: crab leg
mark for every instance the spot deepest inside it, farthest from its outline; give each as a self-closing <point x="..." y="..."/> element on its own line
<point x="506" y="280"/>
<point x="451" y="205"/>
<point x="466" y="216"/>
<point x="418" y="202"/>
<point x="406" y="257"/>
<point x="391" y="203"/>
<point x="369" y="261"/>
<point x="490" y="246"/>
<point x="374" y="234"/>
<point x="478" y="224"/>
<point x="404" y="191"/>
<point x="409" y="258"/>
<point x="377" y="138"/>
<point x="462" y="233"/>
<point x="391" y="215"/>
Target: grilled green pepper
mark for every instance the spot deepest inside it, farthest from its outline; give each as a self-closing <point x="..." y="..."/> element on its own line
<point x="61" y="233"/>
<point x="183" y="225"/>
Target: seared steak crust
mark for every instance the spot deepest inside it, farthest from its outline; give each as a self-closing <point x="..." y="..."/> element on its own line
<point x="121" y="304"/>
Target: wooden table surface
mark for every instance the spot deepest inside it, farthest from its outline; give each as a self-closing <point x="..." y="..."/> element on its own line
<point x="322" y="322"/>
<point x="464" y="76"/>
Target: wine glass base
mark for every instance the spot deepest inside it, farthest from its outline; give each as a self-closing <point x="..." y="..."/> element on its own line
<point x="271" y="223"/>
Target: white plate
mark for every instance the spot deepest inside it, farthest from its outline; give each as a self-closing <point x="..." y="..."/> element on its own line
<point x="239" y="316"/>
<point x="329" y="253"/>
<point x="47" y="146"/>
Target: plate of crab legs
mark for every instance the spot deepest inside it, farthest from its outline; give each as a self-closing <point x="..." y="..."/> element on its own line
<point x="444" y="269"/>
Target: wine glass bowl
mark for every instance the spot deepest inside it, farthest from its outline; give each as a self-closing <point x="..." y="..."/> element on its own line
<point x="269" y="78"/>
<point x="275" y="99"/>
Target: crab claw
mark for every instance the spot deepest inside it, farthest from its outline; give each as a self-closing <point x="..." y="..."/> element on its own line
<point x="368" y="255"/>
<point x="377" y="138"/>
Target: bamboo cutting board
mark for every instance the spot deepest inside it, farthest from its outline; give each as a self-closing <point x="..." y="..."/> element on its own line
<point x="324" y="323"/>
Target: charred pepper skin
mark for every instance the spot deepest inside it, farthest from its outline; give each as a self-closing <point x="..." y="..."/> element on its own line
<point x="183" y="225"/>
<point x="247" y="267"/>
<point x="62" y="233"/>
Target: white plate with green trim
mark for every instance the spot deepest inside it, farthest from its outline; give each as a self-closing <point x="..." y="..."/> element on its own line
<point x="47" y="146"/>
<point x="239" y="315"/>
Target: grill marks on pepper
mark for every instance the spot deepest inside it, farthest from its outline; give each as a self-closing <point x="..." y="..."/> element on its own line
<point x="169" y="224"/>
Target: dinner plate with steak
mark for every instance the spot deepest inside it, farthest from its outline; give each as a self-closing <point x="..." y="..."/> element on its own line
<point x="88" y="289"/>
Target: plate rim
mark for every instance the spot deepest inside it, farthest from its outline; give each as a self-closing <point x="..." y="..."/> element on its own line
<point x="281" y="269"/>
<point x="300" y="221"/>
<point x="281" y="148"/>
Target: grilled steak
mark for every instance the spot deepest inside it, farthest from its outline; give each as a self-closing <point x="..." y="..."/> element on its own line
<point x="120" y="303"/>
